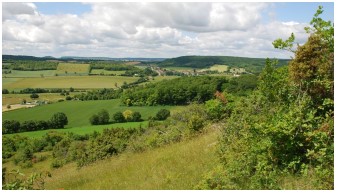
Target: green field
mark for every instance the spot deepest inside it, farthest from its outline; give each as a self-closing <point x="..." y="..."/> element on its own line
<point x="66" y="82"/>
<point x="179" y="69"/>
<point x="106" y="72"/>
<point x="72" y="68"/>
<point x="83" y="129"/>
<point x="18" y="73"/>
<point x="78" y="112"/>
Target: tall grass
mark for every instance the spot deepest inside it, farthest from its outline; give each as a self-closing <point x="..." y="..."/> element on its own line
<point x="178" y="166"/>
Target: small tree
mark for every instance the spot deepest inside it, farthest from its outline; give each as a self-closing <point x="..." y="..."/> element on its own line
<point x="94" y="120"/>
<point x="103" y="116"/>
<point x="214" y="109"/>
<point x="58" y="120"/>
<point x="136" y="116"/>
<point x="71" y="89"/>
<point x="128" y="115"/>
<point x="162" y="114"/>
<point x="118" y="117"/>
<point x="5" y="91"/>
<point x="34" y="96"/>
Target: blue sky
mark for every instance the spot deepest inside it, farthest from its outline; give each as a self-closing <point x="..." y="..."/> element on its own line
<point x="303" y="12"/>
<point x="154" y="29"/>
<point x="285" y="11"/>
<point x="52" y="8"/>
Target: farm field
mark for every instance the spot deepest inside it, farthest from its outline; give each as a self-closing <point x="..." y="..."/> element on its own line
<point x="106" y="72"/>
<point x="18" y="73"/>
<point x="219" y="68"/>
<point x="66" y="82"/>
<point x="72" y="68"/>
<point x="83" y="129"/>
<point x="179" y="69"/>
<point x="78" y="112"/>
<point x="17" y="98"/>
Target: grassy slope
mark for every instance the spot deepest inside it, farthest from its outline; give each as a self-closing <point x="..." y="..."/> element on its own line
<point x="84" y="129"/>
<point x="177" y="166"/>
<point x="78" y="112"/>
<point x="67" y="82"/>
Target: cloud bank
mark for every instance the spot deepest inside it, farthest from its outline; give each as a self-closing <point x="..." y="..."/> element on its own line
<point x="146" y="30"/>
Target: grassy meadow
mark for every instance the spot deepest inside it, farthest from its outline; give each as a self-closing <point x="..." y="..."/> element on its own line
<point x="178" y="166"/>
<point x="72" y="68"/>
<point x="106" y="72"/>
<point x="25" y="74"/>
<point x="82" y="130"/>
<point x="78" y="112"/>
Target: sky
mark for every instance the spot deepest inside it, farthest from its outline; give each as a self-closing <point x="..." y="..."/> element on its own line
<point x="154" y="30"/>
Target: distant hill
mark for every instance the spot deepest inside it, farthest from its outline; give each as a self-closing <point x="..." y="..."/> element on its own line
<point x="77" y="58"/>
<point x="249" y="64"/>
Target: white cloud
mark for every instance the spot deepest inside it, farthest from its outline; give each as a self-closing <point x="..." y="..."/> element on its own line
<point x="146" y="30"/>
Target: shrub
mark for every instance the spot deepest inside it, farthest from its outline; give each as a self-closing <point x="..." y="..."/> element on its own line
<point x="10" y="126"/>
<point x="34" y="96"/>
<point x="136" y="116"/>
<point x="103" y="117"/>
<point x="94" y="120"/>
<point x="128" y="115"/>
<point x="118" y="117"/>
<point x="58" y="120"/>
<point x="162" y="114"/>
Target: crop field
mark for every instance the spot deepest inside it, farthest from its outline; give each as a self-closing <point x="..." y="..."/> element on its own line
<point x="83" y="129"/>
<point x="179" y="69"/>
<point x="66" y="82"/>
<point x="17" y="98"/>
<point x="24" y="74"/>
<point x="219" y="68"/>
<point x="78" y="112"/>
<point x="106" y="72"/>
<point x="73" y="69"/>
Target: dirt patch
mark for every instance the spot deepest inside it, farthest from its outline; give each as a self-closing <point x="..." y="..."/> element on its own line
<point x="16" y="106"/>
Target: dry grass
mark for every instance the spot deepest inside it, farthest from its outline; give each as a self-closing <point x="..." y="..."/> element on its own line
<point x="178" y="166"/>
<point x="69" y="81"/>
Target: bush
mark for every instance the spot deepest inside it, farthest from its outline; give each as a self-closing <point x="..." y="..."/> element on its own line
<point x="136" y="116"/>
<point x="103" y="117"/>
<point x="10" y="126"/>
<point x="118" y="117"/>
<point x="128" y="115"/>
<point x="162" y="114"/>
<point x="68" y="98"/>
<point x="58" y="120"/>
<point x="94" y="120"/>
<point x="5" y="91"/>
<point x="34" y="96"/>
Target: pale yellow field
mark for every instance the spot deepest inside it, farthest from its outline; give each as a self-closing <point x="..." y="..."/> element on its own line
<point x="17" y="98"/>
<point x="69" y="81"/>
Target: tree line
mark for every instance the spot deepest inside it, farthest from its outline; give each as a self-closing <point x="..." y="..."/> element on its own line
<point x="58" y="120"/>
<point x="180" y="91"/>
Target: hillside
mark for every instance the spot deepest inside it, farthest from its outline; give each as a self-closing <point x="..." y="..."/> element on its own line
<point x="250" y="64"/>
